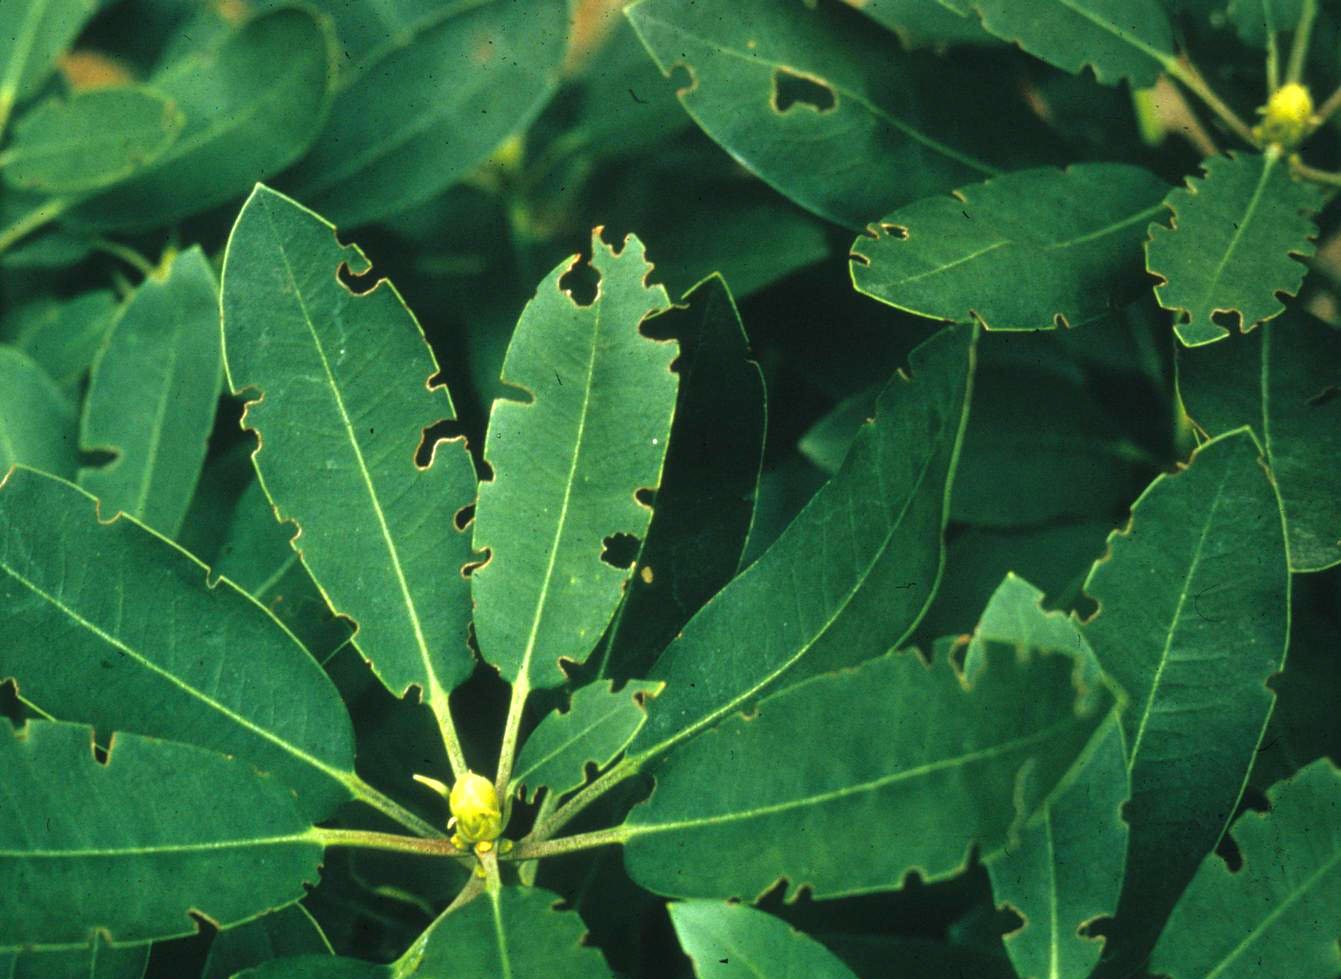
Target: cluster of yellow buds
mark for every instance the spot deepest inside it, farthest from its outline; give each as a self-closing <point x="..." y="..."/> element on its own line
<point x="477" y="817"/>
<point x="1287" y="117"/>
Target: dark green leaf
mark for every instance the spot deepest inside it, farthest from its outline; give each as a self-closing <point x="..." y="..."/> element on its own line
<point x="62" y="335"/>
<point x="602" y="396"/>
<point x="147" y="645"/>
<point x="252" y="106"/>
<point x="1235" y="245"/>
<point x="89" y="141"/>
<point x="705" y="504"/>
<point x="1066" y="868"/>
<point x="127" y="847"/>
<point x="816" y="104"/>
<point x="1257" y="20"/>
<point x="153" y="393"/>
<point x="596" y="727"/>
<point x="288" y="931"/>
<point x="1194" y="611"/>
<point x="98" y="961"/>
<point x="35" y="32"/>
<point x="37" y="422"/>
<point x="1072" y="235"/>
<point x="891" y="767"/>
<point x="851" y="575"/>
<point x="1117" y="39"/>
<point x="1282" y="380"/>
<point x="922" y="24"/>
<point x="409" y="122"/>
<point x="342" y="400"/>
<point x="732" y="941"/>
<point x="1280" y="913"/>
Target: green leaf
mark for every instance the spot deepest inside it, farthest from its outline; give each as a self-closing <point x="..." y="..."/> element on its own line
<point x="1066" y="868"/>
<point x="175" y="826"/>
<point x="253" y="105"/>
<point x="36" y="32"/>
<point x="513" y="933"/>
<point x="1194" y="611"/>
<point x="288" y="931"/>
<point x="1116" y="39"/>
<point x="148" y="645"/>
<point x="37" y="422"/>
<point x="1257" y="20"/>
<point x="920" y="24"/>
<point x="1280" y="913"/>
<point x="733" y="941"/>
<point x="153" y="394"/>
<point x="596" y="727"/>
<point x="98" y="961"/>
<point x="705" y="504"/>
<point x="408" y="124"/>
<point x="852" y="574"/>
<point x="63" y="335"/>
<point x="90" y="140"/>
<point x="817" y="104"/>
<point x="342" y="398"/>
<point x="958" y="762"/>
<point x="1074" y="235"/>
<point x="1234" y="246"/>
<point x="1281" y="380"/>
<point x="602" y="396"/>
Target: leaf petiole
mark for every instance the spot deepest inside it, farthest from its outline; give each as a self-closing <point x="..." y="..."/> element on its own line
<point x="1184" y="71"/>
<point x="390" y="842"/>
<point x="36" y="219"/>
<point x="1303" y="33"/>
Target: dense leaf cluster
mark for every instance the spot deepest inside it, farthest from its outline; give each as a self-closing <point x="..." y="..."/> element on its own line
<point x="906" y="544"/>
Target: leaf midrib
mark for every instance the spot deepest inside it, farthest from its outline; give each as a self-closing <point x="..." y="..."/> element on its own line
<point x="820" y="798"/>
<point x="520" y="777"/>
<point x="204" y="846"/>
<point x="1269" y="163"/>
<point x="1162" y="59"/>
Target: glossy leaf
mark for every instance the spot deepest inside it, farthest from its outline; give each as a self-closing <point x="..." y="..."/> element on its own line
<point x="816" y="104"/>
<point x="733" y="941"/>
<point x="1281" y="380"/>
<point x="1237" y="241"/>
<point x="1118" y="40"/>
<point x="1065" y="870"/>
<point x="1073" y="235"/>
<point x="921" y="24"/>
<point x="148" y="645"/>
<point x="1194" y="611"/>
<point x="341" y="397"/>
<point x="253" y="105"/>
<point x="705" y="504"/>
<point x="596" y="727"/>
<point x="853" y="573"/>
<point x="907" y="765"/>
<point x="37" y="421"/>
<point x="178" y="827"/>
<point x="36" y="31"/>
<point x="89" y="141"/>
<point x="153" y="393"/>
<point x="98" y="961"/>
<point x="288" y="931"/>
<point x="63" y="335"/>
<point x="602" y="396"/>
<point x="408" y="123"/>
<point x="1280" y="913"/>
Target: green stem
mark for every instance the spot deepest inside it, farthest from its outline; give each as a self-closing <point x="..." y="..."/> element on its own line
<point x="1272" y="60"/>
<point x="393" y="810"/>
<point x="507" y="752"/>
<point x="1299" y="45"/>
<point x="1328" y="177"/>
<point x="38" y="217"/>
<point x="1326" y="110"/>
<point x="127" y="254"/>
<point x="439" y="703"/>
<point x="568" y="844"/>
<point x="1186" y="72"/>
<point x="390" y="842"/>
<point x="555" y="821"/>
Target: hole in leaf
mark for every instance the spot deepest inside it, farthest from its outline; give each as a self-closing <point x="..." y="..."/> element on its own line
<point x="1230" y="319"/>
<point x="97" y="458"/>
<point x="620" y="550"/>
<point x="792" y="88"/>
<point x="581" y="282"/>
<point x="464" y="517"/>
<point x="359" y="284"/>
<point x="894" y="230"/>
<point x="470" y="567"/>
<point x="683" y="78"/>
<point x="646" y="496"/>
<point x="440" y="430"/>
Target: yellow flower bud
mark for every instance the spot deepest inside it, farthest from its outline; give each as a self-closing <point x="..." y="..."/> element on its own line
<point x="1287" y="116"/>
<point x="476" y="814"/>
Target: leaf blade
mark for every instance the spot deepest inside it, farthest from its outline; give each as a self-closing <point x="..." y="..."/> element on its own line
<point x="733" y="941"/>
<point x="37" y="422"/>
